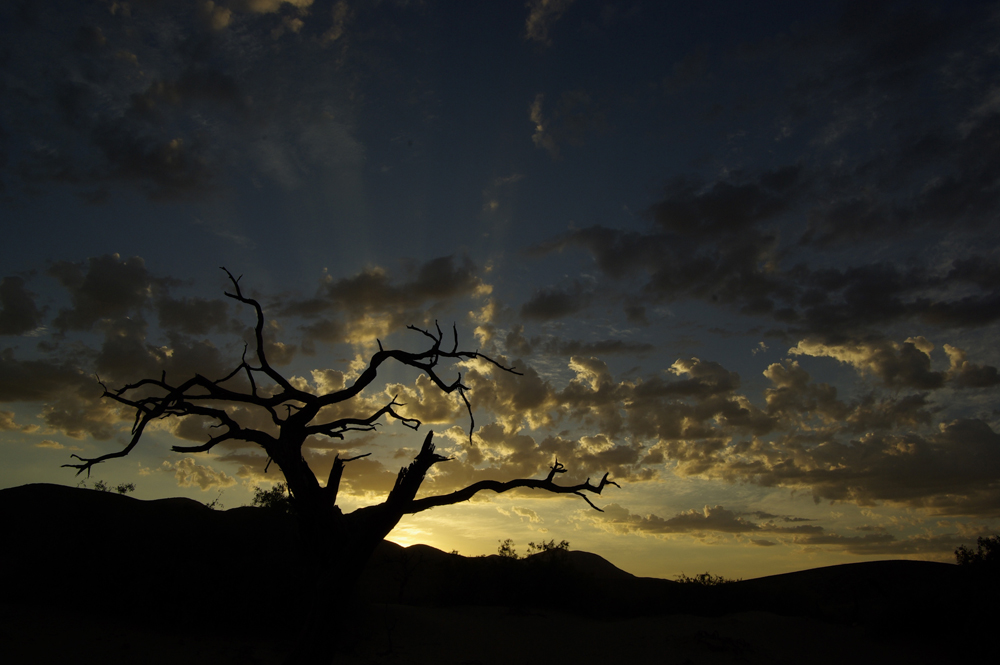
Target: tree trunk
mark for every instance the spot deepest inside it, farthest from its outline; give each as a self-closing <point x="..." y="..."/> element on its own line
<point x="337" y="549"/>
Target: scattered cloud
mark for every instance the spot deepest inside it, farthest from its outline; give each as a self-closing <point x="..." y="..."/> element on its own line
<point x="554" y="303"/>
<point x="104" y="287"/>
<point x="542" y="14"/>
<point x="697" y="522"/>
<point x="189" y="473"/>
<point x="373" y="303"/>
<point x="526" y="513"/>
<point x="55" y="445"/>
<point x="8" y="424"/>
<point x="542" y="138"/>
<point x="570" y="120"/>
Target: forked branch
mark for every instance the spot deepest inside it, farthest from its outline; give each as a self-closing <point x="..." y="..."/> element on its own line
<point x="409" y="479"/>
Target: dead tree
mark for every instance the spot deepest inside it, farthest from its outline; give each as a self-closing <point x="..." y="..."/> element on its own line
<point x="342" y="542"/>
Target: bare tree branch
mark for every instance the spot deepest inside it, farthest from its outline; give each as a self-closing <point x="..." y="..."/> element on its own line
<point x="547" y="484"/>
<point x="338" y="427"/>
<point x="265" y="367"/>
<point x="336" y="473"/>
<point x="410" y="478"/>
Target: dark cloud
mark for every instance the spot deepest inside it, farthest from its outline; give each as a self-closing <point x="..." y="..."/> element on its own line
<point x="343" y="308"/>
<point x="965" y="374"/>
<point x="706" y="243"/>
<point x="869" y="541"/>
<point x="745" y="273"/>
<point x="70" y="397"/>
<point x="879" y="147"/>
<point x="322" y="330"/>
<point x="374" y="289"/>
<point x="89" y="39"/>
<point x="554" y="303"/>
<point x="192" y="86"/>
<point x="952" y="471"/>
<point x="104" y="287"/>
<point x="698" y="522"/>
<point x="605" y="347"/>
<point x="636" y="314"/>
<point x="192" y="316"/>
<point x="157" y="100"/>
<point x="697" y="210"/>
<point x="39" y="380"/>
<point x="885" y="544"/>
<point x="18" y="313"/>
<point x="175" y="166"/>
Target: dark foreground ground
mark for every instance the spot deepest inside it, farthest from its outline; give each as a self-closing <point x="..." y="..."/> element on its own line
<point x="101" y="578"/>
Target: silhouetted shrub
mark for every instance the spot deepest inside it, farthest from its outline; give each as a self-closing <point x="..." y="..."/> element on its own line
<point x="121" y="488"/>
<point x="547" y="546"/>
<point x="507" y="551"/>
<point x="987" y="553"/>
<point x="216" y="503"/>
<point x="705" y="579"/>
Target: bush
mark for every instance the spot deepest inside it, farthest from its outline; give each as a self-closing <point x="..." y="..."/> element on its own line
<point x="507" y="551"/>
<point x="121" y="488"/>
<point x="705" y="579"/>
<point x="216" y="503"/>
<point x="547" y="546"/>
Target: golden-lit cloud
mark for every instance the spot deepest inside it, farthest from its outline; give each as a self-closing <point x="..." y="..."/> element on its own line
<point x="7" y="423"/>
<point x="699" y="523"/>
<point x="54" y="445"/>
<point x="189" y="473"/>
<point x="965" y="374"/>
<point x="906" y="365"/>
<point x="374" y="303"/>
<point x="526" y="513"/>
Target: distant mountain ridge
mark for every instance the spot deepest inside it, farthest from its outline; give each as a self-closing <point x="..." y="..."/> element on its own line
<point x="109" y="553"/>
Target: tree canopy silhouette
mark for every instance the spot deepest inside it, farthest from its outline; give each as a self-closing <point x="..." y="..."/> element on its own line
<point x="341" y="542"/>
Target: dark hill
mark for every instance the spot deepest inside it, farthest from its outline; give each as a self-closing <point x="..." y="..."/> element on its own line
<point x="176" y="560"/>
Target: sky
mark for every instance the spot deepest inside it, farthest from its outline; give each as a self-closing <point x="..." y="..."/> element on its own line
<point x="744" y="255"/>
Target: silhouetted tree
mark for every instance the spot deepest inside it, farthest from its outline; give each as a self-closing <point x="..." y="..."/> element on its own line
<point x="986" y="554"/>
<point x="341" y="542"/>
<point x="276" y="498"/>
<point x="506" y="549"/>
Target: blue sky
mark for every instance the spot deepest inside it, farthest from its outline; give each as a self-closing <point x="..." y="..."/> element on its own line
<point x="745" y="256"/>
